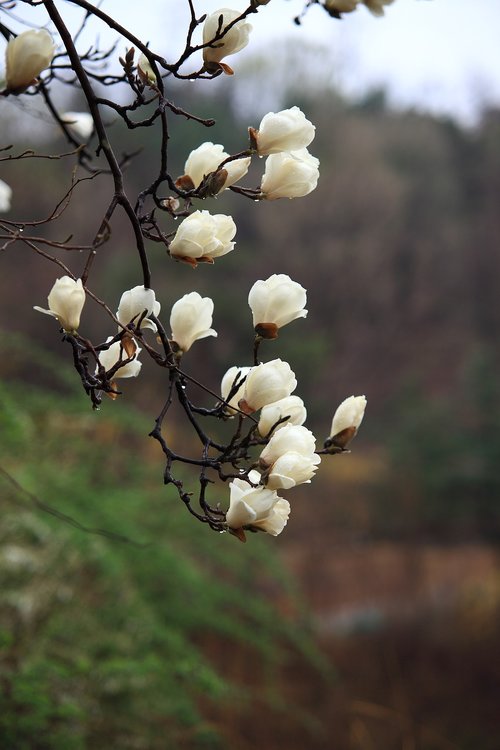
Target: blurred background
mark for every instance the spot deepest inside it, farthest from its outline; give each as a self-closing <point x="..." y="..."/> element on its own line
<point x="371" y="622"/>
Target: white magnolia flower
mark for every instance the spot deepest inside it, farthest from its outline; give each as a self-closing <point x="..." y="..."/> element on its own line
<point x="289" y="175"/>
<point x="288" y="130"/>
<point x="66" y="300"/>
<point x="267" y="383"/>
<point x="256" y="507"/>
<point x="26" y="56"/>
<point x="116" y="353"/>
<point x="292" y="469"/>
<point x="5" y="196"/>
<point x="80" y="123"/>
<point x="346" y="421"/>
<point x="201" y="237"/>
<point x="342" y="6"/>
<point x="289" y="458"/>
<point x="190" y="320"/>
<point x="134" y="303"/>
<point x="275" y="302"/>
<point x="290" y="438"/>
<point x="206" y="159"/>
<point x="290" y="406"/>
<point x="234" y="376"/>
<point x="146" y="72"/>
<point x="377" y="6"/>
<point x="233" y="41"/>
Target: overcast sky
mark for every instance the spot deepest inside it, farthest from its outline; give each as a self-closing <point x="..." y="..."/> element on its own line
<point x="442" y="56"/>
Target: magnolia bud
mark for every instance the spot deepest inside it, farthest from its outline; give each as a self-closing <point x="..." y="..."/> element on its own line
<point x="288" y="130"/>
<point x="289" y="175"/>
<point x="190" y="320"/>
<point x="66" y="300"/>
<point x="26" y="56"/>
<point x="292" y="469"/>
<point x="266" y="383"/>
<point x="346" y="421"/>
<point x="256" y="507"/>
<point x="202" y="237"/>
<point x="289" y="458"/>
<point x="206" y="159"/>
<point x="290" y="407"/>
<point x="145" y="71"/>
<point x="290" y="438"/>
<point x="276" y="302"/>
<point x="235" y="376"/>
<point x="229" y="43"/>
<point x="117" y="352"/>
<point x="137" y="302"/>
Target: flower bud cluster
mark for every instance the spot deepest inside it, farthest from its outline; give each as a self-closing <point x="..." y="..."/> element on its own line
<point x="289" y="459"/>
<point x="271" y="449"/>
<point x="290" y="172"/>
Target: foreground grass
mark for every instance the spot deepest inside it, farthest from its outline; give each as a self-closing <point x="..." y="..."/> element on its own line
<point x="103" y="640"/>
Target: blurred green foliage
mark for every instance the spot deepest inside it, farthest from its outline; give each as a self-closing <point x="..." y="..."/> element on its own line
<point x="443" y="457"/>
<point x="105" y="643"/>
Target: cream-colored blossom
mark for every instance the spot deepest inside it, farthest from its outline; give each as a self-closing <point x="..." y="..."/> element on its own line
<point x="291" y="407"/>
<point x="26" y="56"/>
<point x="134" y="303"/>
<point x="289" y="175"/>
<point x="234" y="376"/>
<point x="294" y="438"/>
<point x="292" y="469"/>
<point x="289" y="458"/>
<point x="231" y="42"/>
<point x="267" y="383"/>
<point x="116" y="353"/>
<point x="145" y="71"/>
<point x="275" y="302"/>
<point x="207" y="158"/>
<point x="201" y="237"/>
<point x="256" y="507"/>
<point x="66" y="300"/>
<point x="288" y="130"/>
<point x="190" y="320"/>
<point x="346" y="421"/>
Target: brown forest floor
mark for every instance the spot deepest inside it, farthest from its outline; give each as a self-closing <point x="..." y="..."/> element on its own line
<point x="412" y="634"/>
